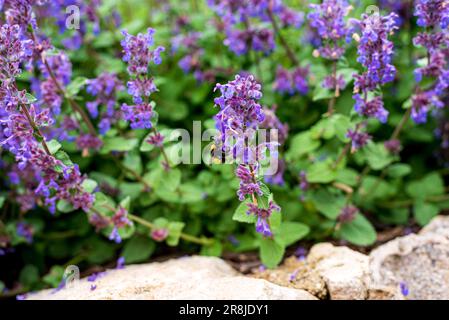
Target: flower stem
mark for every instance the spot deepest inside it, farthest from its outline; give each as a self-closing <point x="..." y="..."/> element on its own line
<point x="284" y="43"/>
<point x="36" y="129"/>
<point x="184" y="236"/>
<point x="61" y="90"/>
<point x="342" y="155"/>
<point x="133" y="173"/>
<point x="333" y="100"/>
<point x="401" y="124"/>
<point x="164" y="154"/>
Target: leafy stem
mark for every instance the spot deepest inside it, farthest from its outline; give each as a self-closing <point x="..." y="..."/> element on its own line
<point x="284" y="43"/>
<point x="184" y="236"/>
<point x="75" y="106"/>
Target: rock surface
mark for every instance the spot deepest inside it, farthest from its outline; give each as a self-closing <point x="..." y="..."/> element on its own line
<point x="184" y="278"/>
<point x="296" y="273"/>
<point x="344" y="271"/>
<point x="419" y="261"/>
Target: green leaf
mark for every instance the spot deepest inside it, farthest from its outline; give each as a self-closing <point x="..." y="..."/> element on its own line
<point x="341" y="126"/>
<point x="424" y="212"/>
<point x="64" y="206"/>
<point x="75" y="86"/>
<point x="29" y="276"/>
<point x="2" y="201"/>
<point x="290" y="232"/>
<point x="347" y="73"/>
<point x="359" y="231"/>
<point x="348" y="176"/>
<point x="377" y="156"/>
<point x="271" y="252"/>
<point x="125" y="203"/>
<point x="328" y="204"/>
<point x="430" y="185"/>
<point x="89" y="185"/>
<point x="133" y="161"/>
<point x="174" y="233"/>
<point x="100" y="251"/>
<point x="54" y="146"/>
<point x="213" y="250"/>
<point x="302" y="144"/>
<point x="321" y="172"/>
<point x="399" y="170"/>
<point x="119" y="144"/>
<point x="171" y="180"/>
<point x="30" y="98"/>
<point x="240" y="214"/>
<point x="54" y="276"/>
<point x="138" y="249"/>
<point x="321" y="93"/>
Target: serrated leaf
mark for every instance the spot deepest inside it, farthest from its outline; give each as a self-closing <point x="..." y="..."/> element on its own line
<point x="377" y="156"/>
<point x="399" y="170"/>
<point x="75" y="86"/>
<point x="138" y="249"/>
<point x="321" y="172"/>
<point x="290" y="232"/>
<point x="30" y="98"/>
<point x="328" y="204"/>
<point x="271" y="252"/>
<point x="89" y="185"/>
<point x="119" y="144"/>
<point x="213" y="250"/>
<point x="424" y="212"/>
<point x="241" y="214"/>
<point x="359" y="231"/>
<point x="54" y="146"/>
<point x="430" y="185"/>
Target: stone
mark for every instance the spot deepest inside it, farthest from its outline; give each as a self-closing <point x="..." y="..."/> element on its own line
<point x="298" y="274"/>
<point x="420" y="261"/>
<point x="344" y="271"/>
<point x="194" y="278"/>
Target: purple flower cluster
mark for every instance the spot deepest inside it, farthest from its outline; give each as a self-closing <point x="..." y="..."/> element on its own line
<point x="104" y="88"/>
<point x="21" y="121"/>
<point x="119" y="220"/>
<point x="14" y="50"/>
<point x="88" y="16"/>
<point x="328" y="19"/>
<point x="20" y="13"/>
<point x="263" y="214"/>
<point x="191" y="50"/>
<point x="271" y="122"/>
<point x="347" y="214"/>
<point x="434" y="16"/>
<point x="292" y="81"/>
<point x="137" y="53"/>
<point x="375" y="52"/>
<point x="61" y="71"/>
<point x="239" y="117"/>
<point x="248" y="182"/>
<point x="250" y="14"/>
<point x="25" y="230"/>
<point x="237" y="122"/>
<point x="358" y="139"/>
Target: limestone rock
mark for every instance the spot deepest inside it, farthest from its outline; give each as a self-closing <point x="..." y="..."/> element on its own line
<point x="420" y="261"/>
<point x="344" y="271"/>
<point x="298" y="274"/>
<point x="184" y="278"/>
